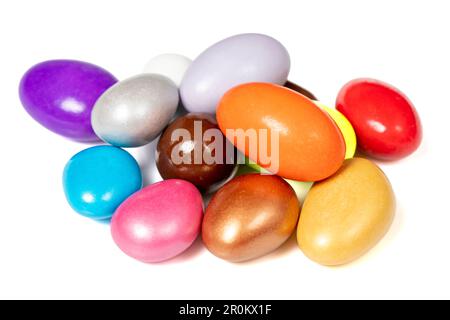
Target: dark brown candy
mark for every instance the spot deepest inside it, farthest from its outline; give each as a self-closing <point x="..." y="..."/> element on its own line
<point x="300" y="90"/>
<point x="193" y="148"/>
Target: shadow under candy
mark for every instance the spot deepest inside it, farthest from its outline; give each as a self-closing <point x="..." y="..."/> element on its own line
<point x="104" y="221"/>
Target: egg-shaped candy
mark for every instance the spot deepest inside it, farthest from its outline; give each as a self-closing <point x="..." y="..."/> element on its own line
<point x="386" y="123"/>
<point x="249" y="217"/>
<point x="171" y="65"/>
<point x="133" y="112"/>
<point x="346" y="129"/>
<point x="60" y="95"/>
<point x="193" y="148"/>
<point x="347" y="214"/>
<point x="236" y="60"/>
<point x="159" y="222"/>
<point x="301" y="90"/>
<point x="98" y="179"/>
<point x="281" y="130"/>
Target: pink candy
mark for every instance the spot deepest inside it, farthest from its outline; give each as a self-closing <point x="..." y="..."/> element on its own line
<point x="159" y="222"/>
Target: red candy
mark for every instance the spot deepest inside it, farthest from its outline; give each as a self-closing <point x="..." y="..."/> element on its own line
<point x="385" y="121"/>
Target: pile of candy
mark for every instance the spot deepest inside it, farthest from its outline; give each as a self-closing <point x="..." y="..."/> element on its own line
<point x="238" y="85"/>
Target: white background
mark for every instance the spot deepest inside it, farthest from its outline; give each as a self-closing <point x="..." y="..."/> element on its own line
<point x="48" y="251"/>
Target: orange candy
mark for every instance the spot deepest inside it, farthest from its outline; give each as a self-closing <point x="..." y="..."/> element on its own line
<point x="310" y="147"/>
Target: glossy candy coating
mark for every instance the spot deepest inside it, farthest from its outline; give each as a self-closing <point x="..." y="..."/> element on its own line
<point x="133" y="112"/>
<point x="159" y="222"/>
<point x="198" y="148"/>
<point x="60" y="95"/>
<point x="236" y="60"/>
<point x="311" y="146"/>
<point x="98" y="179"/>
<point x="386" y="122"/>
<point x="249" y="217"/>
<point x="347" y="214"/>
<point x="171" y="65"/>
<point x="345" y="127"/>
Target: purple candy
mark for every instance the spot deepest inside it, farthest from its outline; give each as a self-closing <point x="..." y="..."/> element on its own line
<point x="60" y="95"/>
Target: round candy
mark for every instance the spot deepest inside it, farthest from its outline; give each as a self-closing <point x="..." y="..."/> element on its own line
<point x="133" y="112"/>
<point x="98" y="179"/>
<point x="236" y="60"/>
<point x="60" y="95"/>
<point x="249" y="217"/>
<point x="386" y="122"/>
<point x="171" y="65"/>
<point x="193" y="148"/>
<point x="310" y="145"/>
<point x="300" y="90"/>
<point x="345" y="215"/>
<point x="346" y="129"/>
<point x="159" y="222"/>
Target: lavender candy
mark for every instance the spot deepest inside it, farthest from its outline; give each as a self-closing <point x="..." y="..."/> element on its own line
<point x="60" y="95"/>
<point x="236" y="60"/>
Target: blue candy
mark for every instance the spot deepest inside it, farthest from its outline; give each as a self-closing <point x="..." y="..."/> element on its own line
<point x="98" y="179"/>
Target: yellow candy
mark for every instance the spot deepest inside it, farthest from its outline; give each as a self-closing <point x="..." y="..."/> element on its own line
<point x="346" y="128"/>
<point x="346" y="215"/>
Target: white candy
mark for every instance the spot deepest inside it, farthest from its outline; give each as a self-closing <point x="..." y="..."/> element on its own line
<point x="171" y="65"/>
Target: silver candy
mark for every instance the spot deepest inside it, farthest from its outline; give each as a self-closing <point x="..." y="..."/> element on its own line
<point x="133" y="112"/>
